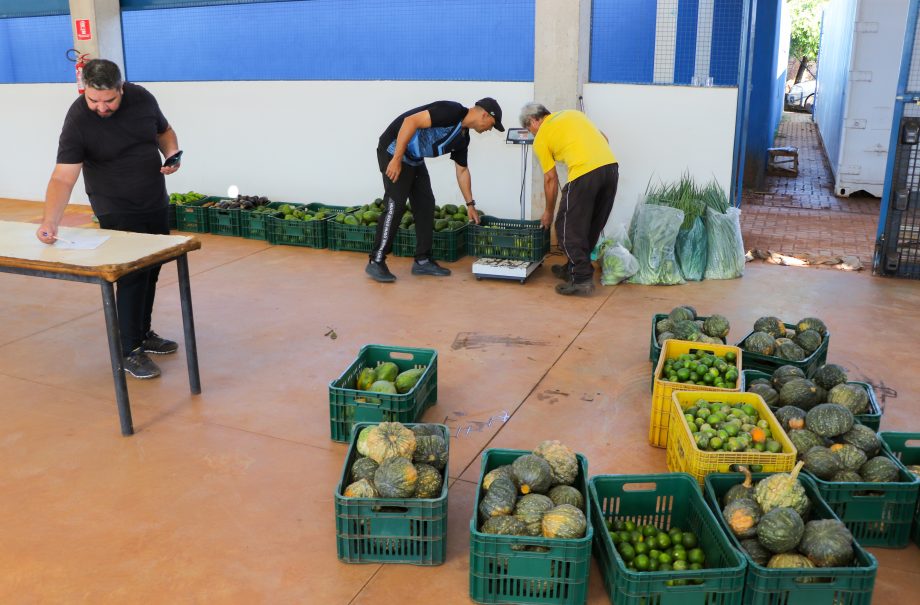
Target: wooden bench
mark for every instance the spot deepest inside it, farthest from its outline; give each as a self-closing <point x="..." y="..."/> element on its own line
<point x="783" y="161"/>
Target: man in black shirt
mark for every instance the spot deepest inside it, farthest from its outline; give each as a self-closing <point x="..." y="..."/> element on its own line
<point x="424" y="132"/>
<point x="115" y="133"/>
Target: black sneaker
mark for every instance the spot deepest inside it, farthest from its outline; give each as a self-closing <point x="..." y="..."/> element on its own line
<point x="379" y="271"/>
<point x="563" y="272"/>
<point x="140" y="366"/>
<point x="156" y="344"/>
<point x="426" y="266"/>
<point x="573" y="288"/>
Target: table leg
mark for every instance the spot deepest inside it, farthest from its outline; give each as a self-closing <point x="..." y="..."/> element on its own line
<point x="118" y="368"/>
<point x="188" y="324"/>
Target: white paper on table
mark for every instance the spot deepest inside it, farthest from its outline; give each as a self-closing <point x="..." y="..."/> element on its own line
<point x="80" y="242"/>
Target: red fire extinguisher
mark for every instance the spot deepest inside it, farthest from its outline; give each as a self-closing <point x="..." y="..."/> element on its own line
<point x="81" y="63"/>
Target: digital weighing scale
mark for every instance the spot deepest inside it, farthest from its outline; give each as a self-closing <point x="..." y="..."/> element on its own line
<point x="501" y="268"/>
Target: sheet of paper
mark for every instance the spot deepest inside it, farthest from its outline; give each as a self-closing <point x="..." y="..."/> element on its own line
<point x="80" y="242"/>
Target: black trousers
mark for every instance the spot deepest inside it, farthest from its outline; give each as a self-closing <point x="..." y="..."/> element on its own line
<point x="134" y="293"/>
<point x="413" y="184"/>
<point x="583" y="211"/>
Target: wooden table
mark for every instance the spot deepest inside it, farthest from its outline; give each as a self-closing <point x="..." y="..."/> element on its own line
<point x="122" y="254"/>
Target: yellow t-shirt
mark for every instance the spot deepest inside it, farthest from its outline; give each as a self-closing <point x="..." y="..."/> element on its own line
<point x="569" y="137"/>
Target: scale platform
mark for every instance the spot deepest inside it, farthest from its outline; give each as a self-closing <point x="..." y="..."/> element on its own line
<point x="500" y="268"/>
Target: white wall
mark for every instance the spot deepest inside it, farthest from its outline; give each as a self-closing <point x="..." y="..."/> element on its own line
<point x="296" y="141"/>
<point x="658" y="132"/>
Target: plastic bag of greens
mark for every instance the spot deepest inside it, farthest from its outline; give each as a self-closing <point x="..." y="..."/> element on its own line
<point x="653" y="245"/>
<point x="617" y="237"/>
<point x="692" y="250"/>
<point x="726" y="248"/>
<point x="617" y="265"/>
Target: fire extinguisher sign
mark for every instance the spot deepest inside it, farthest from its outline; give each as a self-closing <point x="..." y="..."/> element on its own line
<point x="83" y="30"/>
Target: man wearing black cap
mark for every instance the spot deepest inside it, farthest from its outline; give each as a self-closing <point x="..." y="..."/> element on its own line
<point x="424" y="132"/>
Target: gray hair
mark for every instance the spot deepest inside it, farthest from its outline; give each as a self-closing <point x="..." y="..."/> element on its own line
<point x="533" y="111"/>
<point x="102" y="74"/>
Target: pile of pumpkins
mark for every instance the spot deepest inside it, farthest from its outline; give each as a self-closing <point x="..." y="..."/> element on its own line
<point x="771" y="337"/>
<point x="682" y="323"/>
<point x="788" y="386"/>
<point x="534" y="496"/>
<point x="386" y="378"/>
<point x="769" y="519"/>
<point x="396" y="461"/>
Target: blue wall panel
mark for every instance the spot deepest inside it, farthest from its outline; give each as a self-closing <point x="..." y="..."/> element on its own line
<point x="32" y="49"/>
<point x="33" y="8"/>
<point x="623" y="41"/>
<point x="685" y="60"/>
<point x="726" y="42"/>
<point x="334" y="40"/>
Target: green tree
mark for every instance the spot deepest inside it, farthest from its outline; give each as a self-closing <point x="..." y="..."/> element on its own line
<point x="806" y="31"/>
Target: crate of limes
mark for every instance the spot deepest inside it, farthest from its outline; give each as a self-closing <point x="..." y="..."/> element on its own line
<point x="662" y="543"/>
<point x="710" y="432"/>
<point x="690" y="366"/>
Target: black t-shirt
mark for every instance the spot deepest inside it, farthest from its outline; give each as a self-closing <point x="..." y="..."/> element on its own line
<point x="446" y="134"/>
<point x="120" y="156"/>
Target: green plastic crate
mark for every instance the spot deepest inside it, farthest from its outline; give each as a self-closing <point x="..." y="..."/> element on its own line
<point x="357" y="238"/>
<point x="768" y="363"/>
<point x="872" y="418"/>
<point x="348" y="405"/>
<point x="254" y="225"/>
<point x="525" y="569"/>
<point x="448" y="246"/>
<point x="390" y="530"/>
<point x="816" y="586"/>
<point x="508" y="239"/>
<point x="172" y="217"/>
<point x="664" y="500"/>
<point x="192" y="217"/>
<point x="906" y="448"/>
<point x="312" y="234"/>
<point x="654" y="350"/>
<point x="223" y="221"/>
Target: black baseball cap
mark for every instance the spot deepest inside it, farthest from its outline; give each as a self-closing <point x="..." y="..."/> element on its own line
<point x="493" y="109"/>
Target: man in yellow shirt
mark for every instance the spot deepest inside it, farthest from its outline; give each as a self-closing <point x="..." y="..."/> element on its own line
<point x="569" y="137"/>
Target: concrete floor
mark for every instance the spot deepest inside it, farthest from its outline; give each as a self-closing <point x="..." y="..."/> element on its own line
<point x="227" y="497"/>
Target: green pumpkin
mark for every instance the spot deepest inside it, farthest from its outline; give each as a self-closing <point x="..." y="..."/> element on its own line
<point x="851" y="396"/>
<point x="811" y="323"/>
<point x="664" y="325"/>
<point x="741" y="490"/>
<point x="564" y="521"/>
<point x="530" y="510"/>
<point x="566" y="494"/>
<point x="771" y="325"/>
<point x="742" y="516"/>
<point x="687" y="330"/>
<point x="790" y="413"/>
<point x="827" y="543"/>
<point x="846" y="476"/>
<point x="390" y="440"/>
<point x="533" y="474"/>
<point x="757" y="381"/>
<point x="761" y="343"/>
<point x="850" y="456"/>
<point x="862" y="437"/>
<point x="681" y="314"/>
<point x="766" y="392"/>
<point x="822" y="462"/>
<point x="561" y="460"/>
<point x="363" y="468"/>
<point x="431" y="449"/>
<point x="503" y="526"/>
<point x="396" y="478"/>
<point x="829" y="420"/>
<point x="783" y="489"/>
<point x="756" y="551"/>
<point x="361" y="444"/>
<point x="790" y="351"/>
<point x="716" y="326"/>
<point x="780" y="529"/>
<point x="804" y="440"/>
<point x="429" y="482"/>
<point x="809" y="341"/>
<point x="361" y="489"/>
<point x="789" y="561"/>
<point x="800" y="392"/>
<point x="830" y="375"/>
<point x="500" y="471"/>
<point x="784" y="374"/>
<point x="422" y="430"/>
<point x="665" y="336"/>
<point x="500" y="499"/>
<point x="880" y="469"/>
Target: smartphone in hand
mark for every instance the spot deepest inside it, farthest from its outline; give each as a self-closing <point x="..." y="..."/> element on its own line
<point x="173" y="160"/>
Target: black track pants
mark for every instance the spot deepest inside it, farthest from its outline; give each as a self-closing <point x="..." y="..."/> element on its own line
<point x="583" y="211"/>
<point x="413" y="184"/>
<point x="135" y="293"/>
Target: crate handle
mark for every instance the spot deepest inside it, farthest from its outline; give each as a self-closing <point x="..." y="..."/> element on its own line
<point x="402" y="355"/>
<point x="912" y="443"/>
<point x="393" y="510"/>
<point x="649" y="486"/>
<point x="868" y="494"/>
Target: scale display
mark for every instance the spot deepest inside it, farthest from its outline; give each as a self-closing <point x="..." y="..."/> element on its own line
<point x="519" y="136"/>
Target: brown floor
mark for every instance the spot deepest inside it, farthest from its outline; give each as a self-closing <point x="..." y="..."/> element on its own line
<point x="226" y="497"/>
<point x="799" y="215"/>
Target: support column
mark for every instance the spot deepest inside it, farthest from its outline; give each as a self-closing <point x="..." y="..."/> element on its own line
<point x="96" y="26"/>
<point x="562" y="47"/>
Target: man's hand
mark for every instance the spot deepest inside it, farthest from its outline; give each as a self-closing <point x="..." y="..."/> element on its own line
<point x="46" y="233"/>
<point x="170" y="169"/>
<point x="546" y="221"/>
<point x="393" y="169"/>
<point x="473" y="214"/>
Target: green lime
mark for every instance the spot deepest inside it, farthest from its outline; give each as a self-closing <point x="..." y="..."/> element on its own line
<point x="696" y="556"/>
<point x="681" y="565"/>
<point x="696" y="566"/>
<point x="730" y="356"/>
<point x="679" y="556"/>
<point x="663" y="541"/>
<point x="615" y="537"/>
<point x="641" y="548"/>
<point x="635" y="536"/>
<point x="715" y="443"/>
<point x="653" y="554"/>
<point x="674" y="530"/>
<point x="629" y="525"/>
<point x="683" y="374"/>
<point x="664" y="567"/>
<point x="675" y="537"/>
<point x="652" y="564"/>
<point x="641" y="562"/>
<point x="665" y="558"/>
<point x="626" y="551"/>
<point x="689" y="540"/>
<point x="624" y="536"/>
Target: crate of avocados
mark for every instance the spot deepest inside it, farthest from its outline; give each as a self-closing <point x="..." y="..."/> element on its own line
<point x="859" y="395"/>
<point x="391" y="501"/>
<point x="906" y="448"/>
<point x="303" y="225"/>
<point x="384" y="384"/>
<point x="527" y="556"/>
<point x="773" y="343"/>
<point x="507" y="239"/>
<point x="676" y="372"/>
<point x="448" y="245"/>
<point x="193" y="216"/>
<point x="827" y="568"/>
<point x="728" y="429"/>
<point x="223" y="216"/>
<point x="657" y="541"/>
<point x="353" y="230"/>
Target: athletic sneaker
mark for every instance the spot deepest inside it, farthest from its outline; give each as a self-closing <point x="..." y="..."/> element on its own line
<point x="140" y="366"/>
<point x="426" y="266"/>
<point x="572" y="288"/>
<point x="563" y="272"/>
<point x="156" y="344"/>
<point x="379" y="271"/>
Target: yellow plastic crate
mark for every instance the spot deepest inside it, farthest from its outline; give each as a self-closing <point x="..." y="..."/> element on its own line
<point x="684" y="456"/>
<point x="661" y="392"/>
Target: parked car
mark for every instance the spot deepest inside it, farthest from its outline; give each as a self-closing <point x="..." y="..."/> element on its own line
<point x="801" y="96"/>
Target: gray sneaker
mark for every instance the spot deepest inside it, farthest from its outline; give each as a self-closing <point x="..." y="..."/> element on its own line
<point x="156" y="344"/>
<point x="563" y="272"/>
<point x="426" y="266"/>
<point x="379" y="272"/>
<point x="139" y="365"/>
<point x="573" y="288"/>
